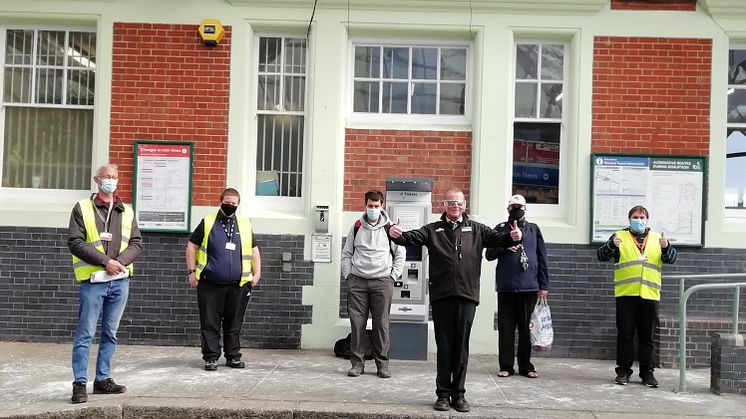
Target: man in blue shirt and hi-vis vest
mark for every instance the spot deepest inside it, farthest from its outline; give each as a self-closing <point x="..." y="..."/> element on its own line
<point x="638" y="253"/>
<point x="223" y="263"/>
<point x="104" y="241"/>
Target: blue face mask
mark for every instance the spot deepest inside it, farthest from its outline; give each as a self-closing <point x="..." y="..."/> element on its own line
<point x="638" y="225"/>
<point x="108" y="185"/>
<point x="373" y="213"/>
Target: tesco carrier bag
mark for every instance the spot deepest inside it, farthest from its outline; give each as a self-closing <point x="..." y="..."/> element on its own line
<point x="542" y="333"/>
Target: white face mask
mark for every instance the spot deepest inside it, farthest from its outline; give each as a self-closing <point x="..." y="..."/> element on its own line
<point x="109" y="185"/>
<point x="373" y="213"/>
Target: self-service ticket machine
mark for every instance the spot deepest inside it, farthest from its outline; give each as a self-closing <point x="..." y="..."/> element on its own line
<point x="408" y="202"/>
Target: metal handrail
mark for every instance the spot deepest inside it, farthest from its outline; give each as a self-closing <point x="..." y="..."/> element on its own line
<point x="684" y="296"/>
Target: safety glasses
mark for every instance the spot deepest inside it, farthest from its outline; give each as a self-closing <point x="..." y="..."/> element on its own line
<point x="454" y="203"/>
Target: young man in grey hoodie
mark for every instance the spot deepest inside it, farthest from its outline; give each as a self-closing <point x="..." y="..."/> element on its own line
<point x="370" y="264"/>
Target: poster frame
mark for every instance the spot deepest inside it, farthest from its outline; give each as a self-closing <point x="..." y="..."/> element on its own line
<point x="136" y="176"/>
<point x="703" y="209"/>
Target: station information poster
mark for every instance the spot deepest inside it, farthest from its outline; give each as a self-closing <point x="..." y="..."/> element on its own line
<point x="670" y="187"/>
<point x="163" y="186"/>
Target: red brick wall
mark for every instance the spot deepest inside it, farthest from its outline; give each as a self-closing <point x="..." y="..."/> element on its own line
<point x="651" y="95"/>
<point x="371" y="156"/>
<point x="166" y="85"/>
<point x="688" y="5"/>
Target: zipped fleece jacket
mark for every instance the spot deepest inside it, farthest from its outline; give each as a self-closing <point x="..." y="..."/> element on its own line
<point x="509" y="275"/>
<point x="369" y="253"/>
<point x="455" y="256"/>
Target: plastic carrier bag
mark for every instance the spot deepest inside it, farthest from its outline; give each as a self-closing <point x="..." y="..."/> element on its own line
<point x="542" y="333"/>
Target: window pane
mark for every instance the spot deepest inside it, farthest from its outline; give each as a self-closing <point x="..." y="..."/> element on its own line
<point x="737" y="106"/>
<point x="295" y="92"/>
<point x="51" y="48"/>
<point x="17" y="85"/>
<point x="81" y="50"/>
<point x="551" y="100"/>
<point x="452" y="98"/>
<point x="453" y="64"/>
<point x="536" y="157"/>
<point x="735" y="169"/>
<point x="47" y="148"/>
<point x="279" y="155"/>
<point x="269" y="55"/>
<point x="295" y="55"/>
<point x="80" y="87"/>
<point x="552" y="57"/>
<point x="367" y="62"/>
<point x="737" y="66"/>
<point x="526" y="62"/>
<point x="19" y="47"/>
<point x="394" y="97"/>
<point x="268" y="93"/>
<point x="366" y="96"/>
<point x="49" y="86"/>
<point x="423" y="98"/>
<point x="425" y="64"/>
<point x="396" y="63"/>
<point x="525" y="100"/>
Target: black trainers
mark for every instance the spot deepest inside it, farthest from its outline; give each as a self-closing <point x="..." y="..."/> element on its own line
<point x="80" y="394"/>
<point x="107" y="386"/>
<point x="235" y="363"/>
<point x="441" y="404"/>
<point x="460" y="404"/>
<point x="648" y="379"/>
<point x="622" y="378"/>
<point x="211" y="365"/>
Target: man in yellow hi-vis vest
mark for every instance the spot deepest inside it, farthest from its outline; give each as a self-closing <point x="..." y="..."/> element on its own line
<point x="639" y="254"/>
<point x="104" y="241"/>
<point x="223" y="263"/>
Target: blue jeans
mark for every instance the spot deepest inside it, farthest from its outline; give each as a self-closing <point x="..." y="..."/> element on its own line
<point x="111" y="297"/>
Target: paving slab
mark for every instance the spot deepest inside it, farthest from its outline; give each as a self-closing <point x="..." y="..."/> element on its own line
<point x="169" y="382"/>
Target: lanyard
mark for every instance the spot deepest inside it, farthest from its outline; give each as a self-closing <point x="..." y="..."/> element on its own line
<point x="229" y="228"/>
<point x="108" y="215"/>
<point x="640" y="247"/>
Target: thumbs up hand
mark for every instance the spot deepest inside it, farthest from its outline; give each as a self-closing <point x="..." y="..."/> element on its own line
<point x="616" y="240"/>
<point x="515" y="233"/>
<point x="395" y="230"/>
<point x="663" y="241"/>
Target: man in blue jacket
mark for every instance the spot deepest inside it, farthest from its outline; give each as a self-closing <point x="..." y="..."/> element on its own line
<point x="521" y="278"/>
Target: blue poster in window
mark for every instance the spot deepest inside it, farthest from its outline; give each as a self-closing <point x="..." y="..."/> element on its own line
<point x="535" y="175"/>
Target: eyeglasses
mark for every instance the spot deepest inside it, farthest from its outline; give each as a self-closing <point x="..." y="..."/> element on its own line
<point x="454" y="203"/>
<point x="109" y="177"/>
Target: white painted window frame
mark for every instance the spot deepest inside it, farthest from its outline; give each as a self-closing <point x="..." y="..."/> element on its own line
<point x="16" y="195"/>
<point x="364" y="118"/>
<point x="546" y="210"/>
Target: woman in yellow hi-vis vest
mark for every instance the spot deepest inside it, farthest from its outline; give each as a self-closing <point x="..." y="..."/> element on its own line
<point x="638" y="253"/>
<point x="223" y="263"/>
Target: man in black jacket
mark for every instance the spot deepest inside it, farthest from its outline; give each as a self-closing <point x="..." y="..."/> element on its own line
<point x="455" y="244"/>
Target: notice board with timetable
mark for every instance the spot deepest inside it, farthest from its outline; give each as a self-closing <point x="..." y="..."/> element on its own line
<point x="163" y="185"/>
<point x="670" y="187"/>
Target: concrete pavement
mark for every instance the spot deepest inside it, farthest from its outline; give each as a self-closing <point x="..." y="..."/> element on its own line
<point x="169" y="382"/>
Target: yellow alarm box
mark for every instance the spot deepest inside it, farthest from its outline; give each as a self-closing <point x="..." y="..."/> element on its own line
<point x="211" y="32"/>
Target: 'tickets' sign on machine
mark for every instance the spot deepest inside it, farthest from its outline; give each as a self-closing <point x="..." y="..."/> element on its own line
<point x="163" y="186"/>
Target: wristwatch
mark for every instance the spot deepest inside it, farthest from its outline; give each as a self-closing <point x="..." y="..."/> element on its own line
<point x="191" y="271"/>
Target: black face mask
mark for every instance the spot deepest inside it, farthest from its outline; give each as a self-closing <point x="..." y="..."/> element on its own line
<point x="228" y="209"/>
<point x="517" y="214"/>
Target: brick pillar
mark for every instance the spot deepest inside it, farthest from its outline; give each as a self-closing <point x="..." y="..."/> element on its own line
<point x="728" y="365"/>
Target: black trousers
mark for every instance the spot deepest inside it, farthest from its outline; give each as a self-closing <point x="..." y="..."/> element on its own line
<point x="514" y="311"/>
<point x="635" y="314"/>
<point x="452" y="320"/>
<point x="221" y="305"/>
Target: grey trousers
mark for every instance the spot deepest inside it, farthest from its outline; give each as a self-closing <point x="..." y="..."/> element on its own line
<point x="374" y="296"/>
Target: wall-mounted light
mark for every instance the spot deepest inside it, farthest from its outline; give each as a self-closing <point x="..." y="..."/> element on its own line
<point x="211" y="32"/>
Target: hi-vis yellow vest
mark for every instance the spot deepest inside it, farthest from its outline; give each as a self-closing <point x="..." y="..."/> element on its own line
<point x="636" y="274"/>
<point x="244" y="227"/>
<point x="84" y="270"/>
